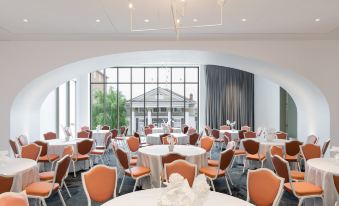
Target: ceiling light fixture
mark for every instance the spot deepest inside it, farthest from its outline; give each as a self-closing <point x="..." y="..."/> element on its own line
<point x="146" y="20"/>
<point x="25" y="20"/>
<point x="243" y="20"/>
<point x="177" y="8"/>
<point x="97" y="20"/>
<point x="317" y="20"/>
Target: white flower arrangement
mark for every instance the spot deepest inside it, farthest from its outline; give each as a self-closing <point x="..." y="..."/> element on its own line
<point x="179" y="193"/>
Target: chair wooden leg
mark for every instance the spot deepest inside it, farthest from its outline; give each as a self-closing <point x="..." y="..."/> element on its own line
<point x="122" y="182"/>
<point x="61" y="198"/>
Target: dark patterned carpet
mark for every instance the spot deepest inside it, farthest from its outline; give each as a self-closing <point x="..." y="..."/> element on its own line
<point x="238" y="189"/>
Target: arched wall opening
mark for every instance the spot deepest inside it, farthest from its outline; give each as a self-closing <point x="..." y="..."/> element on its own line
<point x="312" y="106"/>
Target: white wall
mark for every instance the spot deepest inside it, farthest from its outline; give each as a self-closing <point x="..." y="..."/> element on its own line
<point x="82" y="100"/>
<point x="266" y="103"/>
<point x="48" y="114"/>
<point x="297" y="65"/>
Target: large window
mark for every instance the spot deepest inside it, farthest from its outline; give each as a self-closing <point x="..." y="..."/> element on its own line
<point x="139" y="96"/>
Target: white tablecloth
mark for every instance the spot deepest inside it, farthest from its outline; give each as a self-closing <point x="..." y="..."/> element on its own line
<point x="234" y="133"/>
<point x="265" y="147"/>
<point x="99" y="136"/>
<point x="56" y="146"/>
<point x="320" y="172"/>
<point x="154" y="138"/>
<point x="151" y="157"/>
<point x="161" y="130"/>
<point x="25" y="171"/>
<point x="151" y="197"/>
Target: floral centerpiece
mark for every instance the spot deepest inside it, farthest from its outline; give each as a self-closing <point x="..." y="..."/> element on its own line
<point x="166" y="126"/>
<point x="98" y="128"/>
<point x="170" y="140"/>
<point x="179" y="193"/>
<point x="231" y="124"/>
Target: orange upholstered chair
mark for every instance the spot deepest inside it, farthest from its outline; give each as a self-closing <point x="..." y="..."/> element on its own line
<point x="102" y="151"/>
<point x="13" y="199"/>
<point x="252" y="149"/>
<point x="14" y="147"/>
<point x="292" y="151"/>
<point x="310" y="151"/>
<point x="184" y="129"/>
<point x="336" y="184"/>
<point x="281" y="135"/>
<point x="182" y="167"/>
<point x="22" y="140"/>
<point x="84" y="149"/>
<point x="276" y="150"/>
<point x="83" y="134"/>
<point x="225" y="127"/>
<point x="135" y="173"/>
<point x="312" y="139"/>
<point x="100" y="183"/>
<point x="250" y="134"/>
<point x="114" y="133"/>
<point x="50" y="135"/>
<point x="216" y="134"/>
<point x="133" y="144"/>
<point x="105" y="127"/>
<point x="325" y="146"/>
<point x="44" y="189"/>
<point x="225" y="163"/>
<point x="207" y="144"/>
<point x="168" y="158"/>
<point x="44" y="156"/>
<point x="6" y="183"/>
<point x="193" y="138"/>
<point x="31" y="151"/>
<point x="246" y="128"/>
<point x="302" y="190"/>
<point x="264" y="188"/>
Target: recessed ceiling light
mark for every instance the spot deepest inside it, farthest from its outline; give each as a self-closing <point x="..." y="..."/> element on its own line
<point x="178" y="21"/>
<point x="146" y="20"/>
<point x="317" y="20"/>
<point x="195" y="20"/>
<point x="25" y="20"/>
<point x="243" y="20"/>
<point x="97" y="20"/>
<point x="130" y="5"/>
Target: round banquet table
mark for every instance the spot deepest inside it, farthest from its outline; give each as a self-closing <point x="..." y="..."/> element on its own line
<point x="161" y="130"/>
<point x="320" y="171"/>
<point x="99" y="136"/>
<point x="150" y="197"/>
<point x="25" y="172"/>
<point x="234" y="133"/>
<point x="56" y="146"/>
<point x="154" y="139"/>
<point x="151" y="157"/>
<point x="265" y="147"/>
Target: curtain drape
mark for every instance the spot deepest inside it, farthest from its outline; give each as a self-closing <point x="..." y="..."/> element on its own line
<point x="229" y="96"/>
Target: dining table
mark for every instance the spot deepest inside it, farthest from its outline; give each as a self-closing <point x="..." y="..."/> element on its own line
<point x="154" y="138"/>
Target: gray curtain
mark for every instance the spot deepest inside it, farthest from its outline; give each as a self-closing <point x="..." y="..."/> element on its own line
<point x="229" y="96"/>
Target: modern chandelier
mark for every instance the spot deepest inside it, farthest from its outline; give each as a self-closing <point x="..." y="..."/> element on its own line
<point x="177" y="8"/>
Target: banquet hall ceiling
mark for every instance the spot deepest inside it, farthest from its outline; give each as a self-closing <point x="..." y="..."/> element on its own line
<point x="77" y="19"/>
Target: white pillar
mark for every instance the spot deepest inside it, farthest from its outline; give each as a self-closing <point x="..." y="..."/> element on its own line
<point x="149" y="116"/>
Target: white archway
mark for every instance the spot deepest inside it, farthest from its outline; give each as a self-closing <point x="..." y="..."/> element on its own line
<point x="312" y="106"/>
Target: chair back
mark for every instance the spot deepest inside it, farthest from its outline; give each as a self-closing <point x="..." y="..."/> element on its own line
<point x="68" y="150"/>
<point x="100" y="183"/>
<point x="185" y="129"/>
<point x="310" y="151"/>
<point x="114" y="133"/>
<point x="148" y="131"/>
<point x="85" y="146"/>
<point x="193" y="138"/>
<point x="325" y="146"/>
<point x="133" y="144"/>
<point x="83" y="128"/>
<point x="61" y="169"/>
<point x="14" y="147"/>
<point x="22" y="140"/>
<point x="182" y="167"/>
<point x="311" y="139"/>
<point x="227" y="137"/>
<point x="83" y="134"/>
<point x="13" y="199"/>
<point x="241" y="134"/>
<point x="225" y="127"/>
<point x="50" y="135"/>
<point x="206" y="143"/>
<point x="281" y="167"/>
<point x="105" y="127"/>
<point x="126" y="132"/>
<point x="191" y="130"/>
<point x="122" y="158"/>
<point x="171" y="157"/>
<point x="207" y="131"/>
<point x="281" y="135"/>
<point x="336" y="183"/>
<point x="276" y="150"/>
<point x="246" y="128"/>
<point x="31" y="151"/>
<point x="264" y="188"/>
<point x="122" y="130"/>
<point x="165" y="141"/>
<point x="250" y="134"/>
<point x="226" y="158"/>
<point x="215" y="133"/>
<point x="292" y="148"/>
<point x="251" y="146"/>
<point x="136" y="134"/>
<point x="44" y="147"/>
<point x="6" y="183"/>
<point x="90" y="133"/>
<point x="107" y="140"/>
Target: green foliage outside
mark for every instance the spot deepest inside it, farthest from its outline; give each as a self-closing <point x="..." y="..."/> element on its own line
<point x="104" y="109"/>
